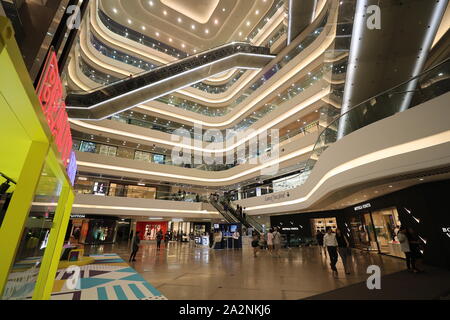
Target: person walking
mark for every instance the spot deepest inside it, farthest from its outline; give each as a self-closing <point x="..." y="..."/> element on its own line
<point x="159" y="237"/>
<point x="406" y="249"/>
<point x="319" y="238"/>
<point x="276" y="241"/>
<point x="166" y="239"/>
<point x="270" y="240"/>
<point x="136" y="243"/>
<point x="255" y="243"/>
<point x="343" y="249"/>
<point x="330" y="242"/>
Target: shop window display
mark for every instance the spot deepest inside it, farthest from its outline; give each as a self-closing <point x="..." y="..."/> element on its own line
<point x="386" y="226"/>
<point x="148" y="230"/>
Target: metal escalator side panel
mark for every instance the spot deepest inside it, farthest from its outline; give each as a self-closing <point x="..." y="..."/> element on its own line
<point x="146" y="93"/>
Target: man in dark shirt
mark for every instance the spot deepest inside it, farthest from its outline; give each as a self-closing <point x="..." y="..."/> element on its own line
<point x="136" y="243"/>
<point x="343" y="249"/>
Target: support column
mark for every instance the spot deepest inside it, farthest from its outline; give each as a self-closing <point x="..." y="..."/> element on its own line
<point x="19" y="208"/>
<point x="50" y="260"/>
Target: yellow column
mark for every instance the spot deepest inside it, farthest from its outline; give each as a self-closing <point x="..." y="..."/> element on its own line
<point x="50" y="261"/>
<point x="19" y="208"/>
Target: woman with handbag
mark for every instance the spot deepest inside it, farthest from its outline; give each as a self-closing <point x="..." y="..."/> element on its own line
<point x="343" y="249"/>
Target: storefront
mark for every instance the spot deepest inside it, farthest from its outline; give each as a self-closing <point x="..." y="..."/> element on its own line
<point x="36" y="180"/>
<point x="149" y="230"/>
<point x="96" y="229"/>
<point x="227" y="236"/>
<point x="373" y="225"/>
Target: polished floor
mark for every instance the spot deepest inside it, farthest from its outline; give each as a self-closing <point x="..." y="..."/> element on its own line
<point x="185" y="272"/>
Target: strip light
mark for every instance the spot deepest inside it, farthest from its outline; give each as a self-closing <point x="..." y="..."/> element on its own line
<point x="284" y="116"/>
<point x="88" y="206"/>
<point x="230" y="96"/>
<point x="313" y="56"/>
<point x="175" y="76"/>
<point x="407" y="147"/>
<point x="193" y="178"/>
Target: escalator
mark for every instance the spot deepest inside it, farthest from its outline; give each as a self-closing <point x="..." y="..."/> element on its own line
<point x="229" y="213"/>
<point x="228" y="217"/>
<point x="133" y="91"/>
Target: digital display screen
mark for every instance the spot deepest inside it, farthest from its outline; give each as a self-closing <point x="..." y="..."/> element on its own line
<point x="158" y="158"/>
<point x="233" y="229"/>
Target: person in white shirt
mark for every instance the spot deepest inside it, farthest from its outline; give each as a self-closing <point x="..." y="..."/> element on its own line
<point x="330" y="242"/>
<point x="277" y="241"/>
<point x="406" y="249"/>
<point x="270" y="240"/>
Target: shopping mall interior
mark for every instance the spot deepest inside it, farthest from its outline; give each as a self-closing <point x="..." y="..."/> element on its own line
<point x="210" y="150"/>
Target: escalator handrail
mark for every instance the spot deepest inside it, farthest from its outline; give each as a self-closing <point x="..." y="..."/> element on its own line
<point x="235" y="47"/>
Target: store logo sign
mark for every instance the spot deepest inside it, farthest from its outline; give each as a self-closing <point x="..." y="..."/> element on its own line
<point x="364" y="206"/>
<point x="77" y="216"/>
<point x="50" y="94"/>
<point x="446" y="231"/>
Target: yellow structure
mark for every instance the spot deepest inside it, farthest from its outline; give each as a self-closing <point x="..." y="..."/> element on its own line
<point x="30" y="158"/>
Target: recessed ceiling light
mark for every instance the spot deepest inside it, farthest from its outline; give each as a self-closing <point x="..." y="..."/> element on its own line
<point x="144" y="28"/>
<point x="183" y="45"/>
<point x="206" y="31"/>
<point x="193" y="27"/>
<point x="157" y="34"/>
<point x="114" y="10"/>
<point x="165" y="12"/>
<point x="150" y="3"/>
<point x="257" y="12"/>
<point x="248" y="23"/>
<point x="170" y="40"/>
<point x="129" y="21"/>
<point x="179" y="20"/>
<point x="223" y="9"/>
<point x="240" y="33"/>
<point x="216" y="21"/>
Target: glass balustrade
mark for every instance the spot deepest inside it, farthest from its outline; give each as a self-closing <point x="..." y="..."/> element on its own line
<point x="103" y="189"/>
<point x="195" y="107"/>
<point x="426" y="86"/>
<point x="89" y="145"/>
<point x="147" y="66"/>
<point x="142" y="120"/>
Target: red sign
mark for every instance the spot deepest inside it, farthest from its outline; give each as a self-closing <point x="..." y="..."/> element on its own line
<point x="50" y="94"/>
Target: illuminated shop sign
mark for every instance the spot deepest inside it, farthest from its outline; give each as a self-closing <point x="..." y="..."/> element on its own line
<point x="50" y="94"/>
<point x="446" y="231"/>
<point x="364" y="206"/>
<point x="77" y="216"/>
<point x="290" y="229"/>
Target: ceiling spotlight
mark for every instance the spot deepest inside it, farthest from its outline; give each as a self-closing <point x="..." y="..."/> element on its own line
<point x="193" y="27"/>
<point x="165" y="12"/>
<point x="179" y="20"/>
<point x="157" y="34"/>
<point x="114" y="10"/>
<point x="248" y="23"/>
<point x="206" y="31"/>
<point x="129" y="21"/>
<point x="257" y="12"/>
<point x="144" y="28"/>
<point x="170" y="40"/>
<point x="216" y="21"/>
<point x="150" y="3"/>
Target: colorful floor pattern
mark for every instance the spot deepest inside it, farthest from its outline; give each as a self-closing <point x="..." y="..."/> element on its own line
<point x="109" y="278"/>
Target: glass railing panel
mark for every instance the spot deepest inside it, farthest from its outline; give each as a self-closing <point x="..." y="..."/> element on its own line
<point x="428" y="85"/>
<point x="195" y="107"/>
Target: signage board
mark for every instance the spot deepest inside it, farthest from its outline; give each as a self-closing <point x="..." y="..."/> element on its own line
<point x="51" y="96"/>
